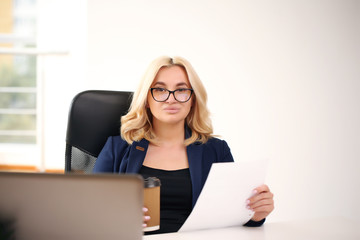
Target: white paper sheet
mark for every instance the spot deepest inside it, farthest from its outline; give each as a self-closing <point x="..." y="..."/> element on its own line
<point x="222" y="202"/>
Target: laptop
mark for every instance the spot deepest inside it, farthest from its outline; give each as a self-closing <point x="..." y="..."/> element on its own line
<point x="70" y="206"/>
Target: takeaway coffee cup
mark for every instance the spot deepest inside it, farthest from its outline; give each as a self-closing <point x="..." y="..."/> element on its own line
<point x="152" y="202"/>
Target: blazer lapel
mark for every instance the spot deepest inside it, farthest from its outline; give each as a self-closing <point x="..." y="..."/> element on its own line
<point x="195" y="155"/>
<point x="137" y="156"/>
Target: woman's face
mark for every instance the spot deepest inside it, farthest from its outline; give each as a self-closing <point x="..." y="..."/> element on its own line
<point x="170" y="111"/>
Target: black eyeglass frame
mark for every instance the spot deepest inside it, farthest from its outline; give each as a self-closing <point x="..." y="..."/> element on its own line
<point x="173" y="93"/>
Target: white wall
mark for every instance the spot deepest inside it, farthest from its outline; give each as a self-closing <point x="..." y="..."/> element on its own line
<point x="62" y="27"/>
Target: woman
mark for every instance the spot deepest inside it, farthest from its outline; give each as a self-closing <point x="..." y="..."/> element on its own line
<point x="167" y="133"/>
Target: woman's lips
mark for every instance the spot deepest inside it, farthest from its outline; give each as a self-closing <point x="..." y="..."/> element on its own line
<point x="171" y="109"/>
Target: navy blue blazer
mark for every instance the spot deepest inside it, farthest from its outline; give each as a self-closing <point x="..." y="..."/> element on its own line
<point x="118" y="156"/>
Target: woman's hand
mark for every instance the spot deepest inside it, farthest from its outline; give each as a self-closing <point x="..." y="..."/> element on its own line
<point x="146" y="217"/>
<point x="261" y="203"/>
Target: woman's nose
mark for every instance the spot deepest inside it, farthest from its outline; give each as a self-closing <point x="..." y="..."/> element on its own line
<point x="171" y="98"/>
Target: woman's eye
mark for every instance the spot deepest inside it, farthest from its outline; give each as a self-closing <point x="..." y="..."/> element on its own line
<point x="160" y="90"/>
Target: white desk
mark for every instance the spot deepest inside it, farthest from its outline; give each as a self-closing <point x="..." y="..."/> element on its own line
<point x="330" y="228"/>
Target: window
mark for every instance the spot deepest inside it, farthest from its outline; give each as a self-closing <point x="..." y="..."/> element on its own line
<point x="18" y="82"/>
<point x="18" y="101"/>
<point x="42" y="67"/>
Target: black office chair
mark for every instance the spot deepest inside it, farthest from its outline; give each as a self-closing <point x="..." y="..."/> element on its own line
<point x="94" y="116"/>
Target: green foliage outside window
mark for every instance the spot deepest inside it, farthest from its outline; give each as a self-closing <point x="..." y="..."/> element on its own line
<point x="22" y="73"/>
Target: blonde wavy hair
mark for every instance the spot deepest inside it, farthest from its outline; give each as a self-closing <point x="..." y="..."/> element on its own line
<point x="137" y="123"/>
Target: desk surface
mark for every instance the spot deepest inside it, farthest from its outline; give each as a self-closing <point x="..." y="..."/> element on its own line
<point x="330" y="228"/>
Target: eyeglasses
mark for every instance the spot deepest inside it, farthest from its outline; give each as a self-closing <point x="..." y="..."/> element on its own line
<point x="181" y="95"/>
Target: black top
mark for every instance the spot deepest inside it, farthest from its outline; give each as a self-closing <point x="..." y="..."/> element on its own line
<point x="175" y="197"/>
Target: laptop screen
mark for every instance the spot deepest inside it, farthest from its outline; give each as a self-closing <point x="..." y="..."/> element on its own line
<point x="69" y="206"/>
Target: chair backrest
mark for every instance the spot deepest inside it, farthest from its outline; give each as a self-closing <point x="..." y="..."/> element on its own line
<point x="94" y="116"/>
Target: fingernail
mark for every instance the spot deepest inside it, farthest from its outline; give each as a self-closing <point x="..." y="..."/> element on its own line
<point x="248" y="207"/>
<point x="147" y="217"/>
<point x="145" y="209"/>
<point x="247" y="201"/>
<point x="255" y="191"/>
<point x="144" y="225"/>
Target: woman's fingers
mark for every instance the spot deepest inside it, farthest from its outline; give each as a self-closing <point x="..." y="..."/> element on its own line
<point x="264" y="208"/>
<point x="146" y="218"/>
<point x="262" y="202"/>
<point x="261" y="192"/>
<point x="262" y="188"/>
<point x="260" y="198"/>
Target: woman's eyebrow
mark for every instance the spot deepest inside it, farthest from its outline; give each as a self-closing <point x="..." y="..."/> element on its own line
<point x="159" y="83"/>
<point x="180" y="84"/>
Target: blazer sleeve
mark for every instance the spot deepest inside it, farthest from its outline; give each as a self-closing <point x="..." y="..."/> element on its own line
<point x="227" y="156"/>
<point x="252" y="223"/>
